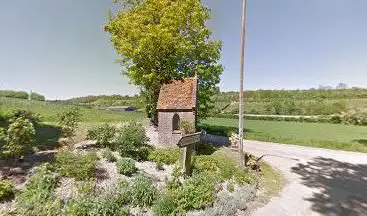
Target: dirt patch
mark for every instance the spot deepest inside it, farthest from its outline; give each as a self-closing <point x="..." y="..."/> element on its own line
<point x="18" y="171"/>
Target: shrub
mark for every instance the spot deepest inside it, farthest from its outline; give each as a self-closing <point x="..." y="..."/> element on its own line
<point x="167" y="205"/>
<point x="142" y="192"/>
<point x="165" y="156"/>
<point x="78" y="166"/>
<point x="221" y="167"/>
<point x="336" y="119"/>
<point x="126" y="166"/>
<point x="6" y="190"/>
<point x="229" y="203"/>
<point x="108" y="155"/>
<point x="197" y="192"/>
<point x="187" y="127"/>
<point x="205" y="149"/>
<point x="95" y="205"/>
<point x="354" y="117"/>
<point x="32" y="117"/>
<point x="20" y="136"/>
<point x="132" y="141"/>
<point x="241" y="177"/>
<point x="205" y="164"/>
<point x="2" y="141"/>
<point x="68" y="121"/>
<point x="103" y="134"/>
<point x="230" y="186"/>
<point x="38" y="198"/>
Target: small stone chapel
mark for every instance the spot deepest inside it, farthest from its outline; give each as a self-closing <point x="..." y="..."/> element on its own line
<point x="177" y="102"/>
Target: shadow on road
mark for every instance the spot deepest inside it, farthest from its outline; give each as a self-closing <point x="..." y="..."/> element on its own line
<point x="342" y="186"/>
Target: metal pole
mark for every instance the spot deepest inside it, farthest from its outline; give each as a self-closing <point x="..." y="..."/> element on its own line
<point x="240" y="124"/>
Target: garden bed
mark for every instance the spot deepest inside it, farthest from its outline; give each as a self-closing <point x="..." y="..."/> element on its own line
<point x="121" y="175"/>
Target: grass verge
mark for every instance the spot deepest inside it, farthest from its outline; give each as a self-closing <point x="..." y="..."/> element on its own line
<point x="321" y="135"/>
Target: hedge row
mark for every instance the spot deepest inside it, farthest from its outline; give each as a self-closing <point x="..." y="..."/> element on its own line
<point x="320" y="119"/>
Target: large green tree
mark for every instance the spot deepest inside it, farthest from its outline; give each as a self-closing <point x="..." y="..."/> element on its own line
<point x="161" y="40"/>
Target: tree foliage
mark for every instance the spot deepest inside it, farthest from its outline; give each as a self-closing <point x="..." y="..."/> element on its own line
<point x="21" y="95"/>
<point x="161" y="40"/>
<point x="38" y="97"/>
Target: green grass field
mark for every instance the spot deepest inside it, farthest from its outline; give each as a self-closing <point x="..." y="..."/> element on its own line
<point x="332" y="136"/>
<point x="49" y="111"/>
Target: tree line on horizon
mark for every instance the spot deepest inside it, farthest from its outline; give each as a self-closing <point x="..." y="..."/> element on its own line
<point x="22" y="95"/>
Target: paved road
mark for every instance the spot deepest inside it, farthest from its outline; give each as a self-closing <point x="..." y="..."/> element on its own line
<point x="320" y="182"/>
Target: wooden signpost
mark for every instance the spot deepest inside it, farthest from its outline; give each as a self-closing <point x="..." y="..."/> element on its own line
<point x="187" y="142"/>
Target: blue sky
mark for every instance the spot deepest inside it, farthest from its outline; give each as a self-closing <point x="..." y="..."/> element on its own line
<point x="59" y="49"/>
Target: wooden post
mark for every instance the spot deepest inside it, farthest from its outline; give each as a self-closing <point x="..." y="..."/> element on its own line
<point x="188" y="142"/>
<point x="186" y="160"/>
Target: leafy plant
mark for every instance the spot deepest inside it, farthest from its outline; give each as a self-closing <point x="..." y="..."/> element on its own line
<point x="242" y="177"/>
<point x="167" y="205"/>
<point x="108" y="155"/>
<point x="132" y="141"/>
<point x="205" y="149"/>
<point x="126" y="166"/>
<point x="142" y="192"/>
<point x="222" y="167"/>
<point x="197" y="192"/>
<point x="104" y="134"/>
<point x="38" y="197"/>
<point x="354" y="117"/>
<point x="2" y="141"/>
<point x="68" y="121"/>
<point x="96" y="205"/>
<point x="230" y="186"/>
<point x="20" y="136"/>
<point x="187" y="127"/>
<point x="78" y="166"/>
<point x="165" y="156"/>
<point x="6" y="190"/>
<point x="32" y="117"/>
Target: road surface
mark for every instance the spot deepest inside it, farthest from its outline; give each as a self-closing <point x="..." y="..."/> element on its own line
<point x="320" y="181"/>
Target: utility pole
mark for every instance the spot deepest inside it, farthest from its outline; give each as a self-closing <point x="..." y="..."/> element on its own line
<point x="240" y="116"/>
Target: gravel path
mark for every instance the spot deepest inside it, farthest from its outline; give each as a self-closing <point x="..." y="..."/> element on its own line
<point x="320" y="181"/>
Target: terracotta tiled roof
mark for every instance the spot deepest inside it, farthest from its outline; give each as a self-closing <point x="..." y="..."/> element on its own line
<point x="178" y="94"/>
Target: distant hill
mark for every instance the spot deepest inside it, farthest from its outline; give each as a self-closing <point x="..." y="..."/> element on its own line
<point x="105" y="101"/>
<point x="49" y="111"/>
<point x="264" y="102"/>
